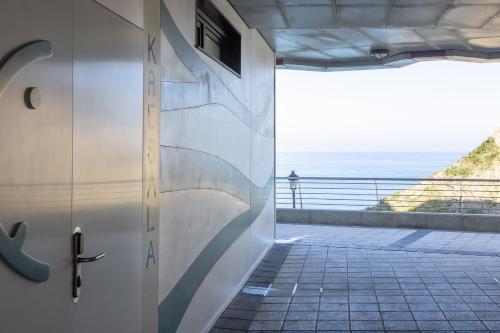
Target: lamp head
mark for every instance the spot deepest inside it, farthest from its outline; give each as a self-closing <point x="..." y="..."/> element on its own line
<point x="293" y="178"/>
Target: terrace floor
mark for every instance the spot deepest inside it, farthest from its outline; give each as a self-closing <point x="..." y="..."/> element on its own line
<point x="348" y="279"/>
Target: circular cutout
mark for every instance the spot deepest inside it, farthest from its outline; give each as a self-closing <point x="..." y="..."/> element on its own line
<point x="32" y="98"/>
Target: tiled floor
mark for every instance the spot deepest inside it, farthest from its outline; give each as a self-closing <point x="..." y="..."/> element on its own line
<point x="341" y="279"/>
<point x="386" y="238"/>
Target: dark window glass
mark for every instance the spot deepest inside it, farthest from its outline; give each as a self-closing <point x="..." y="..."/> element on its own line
<point x="217" y="37"/>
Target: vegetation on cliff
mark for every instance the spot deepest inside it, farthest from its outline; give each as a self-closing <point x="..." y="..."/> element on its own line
<point x="455" y="196"/>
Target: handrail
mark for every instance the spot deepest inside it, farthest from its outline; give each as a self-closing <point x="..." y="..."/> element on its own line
<point x="397" y="179"/>
<point x="456" y="195"/>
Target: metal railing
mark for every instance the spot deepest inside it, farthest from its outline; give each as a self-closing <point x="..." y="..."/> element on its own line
<point x="436" y="195"/>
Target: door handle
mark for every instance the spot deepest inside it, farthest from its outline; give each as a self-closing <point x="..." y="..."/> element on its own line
<point x="78" y="259"/>
<point x="90" y="259"/>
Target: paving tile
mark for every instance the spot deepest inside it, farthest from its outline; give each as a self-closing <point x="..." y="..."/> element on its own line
<point x="299" y="325"/>
<point x="334" y="299"/>
<point x="476" y="299"/>
<point x="265" y="325"/>
<point x="308" y="286"/>
<point x="443" y="292"/>
<point x="304" y="307"/>
<point x="393" y="307"/>
<point x="334" y="293"/>
<point x="363" y="293"/>
<point x="419" y="299"/>
<point x="283" y="286"/>
<point x="362" y="299"/>
<point x="492" y="325"/>
<point x="396" y="316"/>
<point x="301" y="315"/>
<point x="277" y="300"/>
<point x="273" y="307"/>
<point x="279" y="293"/>
<point x="270" y="315"/>
<point x="238" y="314"/>
<point x="310" y="292"/>
<point x="285" y="280"/>
<point x="434" y="315"/>
<point x="423" y="307"/>
<point x="483" y="306"/>
<point x="332" y="325"/>
<point x="467" y="325"/>
<point x="333" y="315"/>
<point x="334" y="307"/>
<point x="391" y="299"/>
<point x="433" y="325"/>
<point x="389" y="292"/>
<point x="400" y="325"/>
<point x="244" y="302"/>
<point x="460" y="315"/>
<point x="367" y="325"/>
<point x="226" y="330"/>
<point x="305" y="299"/>
<point x="363" y="307"/>
<point x="365" y="315"/>
<point x="229" y="323"/>
<point x="488" y="315"/>
<point x="447" y="299"/>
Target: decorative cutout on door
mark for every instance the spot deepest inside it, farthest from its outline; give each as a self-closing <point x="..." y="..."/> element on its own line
<point x="11" y="251"/>
<point x="11" y="246"/>
<point x="21" y="57"/>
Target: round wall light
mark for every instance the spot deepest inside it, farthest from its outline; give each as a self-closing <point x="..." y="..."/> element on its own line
<point x="379" y="53"/>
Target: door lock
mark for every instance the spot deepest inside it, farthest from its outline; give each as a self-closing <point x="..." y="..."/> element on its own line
<point x="79" y="259"/>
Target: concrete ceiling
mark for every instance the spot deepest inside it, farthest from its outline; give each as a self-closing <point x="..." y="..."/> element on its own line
<point x="339" y="34"/>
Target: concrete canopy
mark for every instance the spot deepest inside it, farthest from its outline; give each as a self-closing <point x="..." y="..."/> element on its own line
<point x="334" y="35"/>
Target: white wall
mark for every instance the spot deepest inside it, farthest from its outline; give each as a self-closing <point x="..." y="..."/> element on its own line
<point x="217" y="169"/>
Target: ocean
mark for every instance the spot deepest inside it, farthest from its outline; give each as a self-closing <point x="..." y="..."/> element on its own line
<point x="357" y="165"/>
<point x="360" y="164"/>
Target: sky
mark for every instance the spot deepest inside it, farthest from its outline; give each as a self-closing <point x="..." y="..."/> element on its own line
<point x="433" y="106"/>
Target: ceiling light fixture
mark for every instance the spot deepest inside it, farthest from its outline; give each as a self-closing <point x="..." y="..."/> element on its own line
<point x="379" y="53"/>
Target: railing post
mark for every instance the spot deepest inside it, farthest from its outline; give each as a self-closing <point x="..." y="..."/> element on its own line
<point x="300" y="194"/>
<point x="293" y="198"/>
<point x="376" y="191"/>
<point x="460" y="194"/>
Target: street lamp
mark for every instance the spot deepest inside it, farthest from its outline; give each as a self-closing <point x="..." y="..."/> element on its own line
<point x="293" y="178"/>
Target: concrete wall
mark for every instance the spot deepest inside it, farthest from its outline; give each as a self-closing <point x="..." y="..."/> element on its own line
<point x="216" y="170"/>
<point x="441" y="221"/>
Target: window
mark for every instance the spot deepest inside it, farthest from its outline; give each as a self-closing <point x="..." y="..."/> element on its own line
<point x="216" y="37"/>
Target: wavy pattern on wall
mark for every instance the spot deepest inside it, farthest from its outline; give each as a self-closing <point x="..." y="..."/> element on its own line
<point x="173" y="307"/>
<point x="207" y="212"/>
<point x="209" y="128"/>
<point x="192" y="170"/>
<point x="210" y="88"/>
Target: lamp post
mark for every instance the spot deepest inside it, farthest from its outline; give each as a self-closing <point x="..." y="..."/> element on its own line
<point x="293" y="178"/>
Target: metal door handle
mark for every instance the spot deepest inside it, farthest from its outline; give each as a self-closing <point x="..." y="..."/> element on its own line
<point x="78" y="260"/>
<point x="90" y="259"/>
